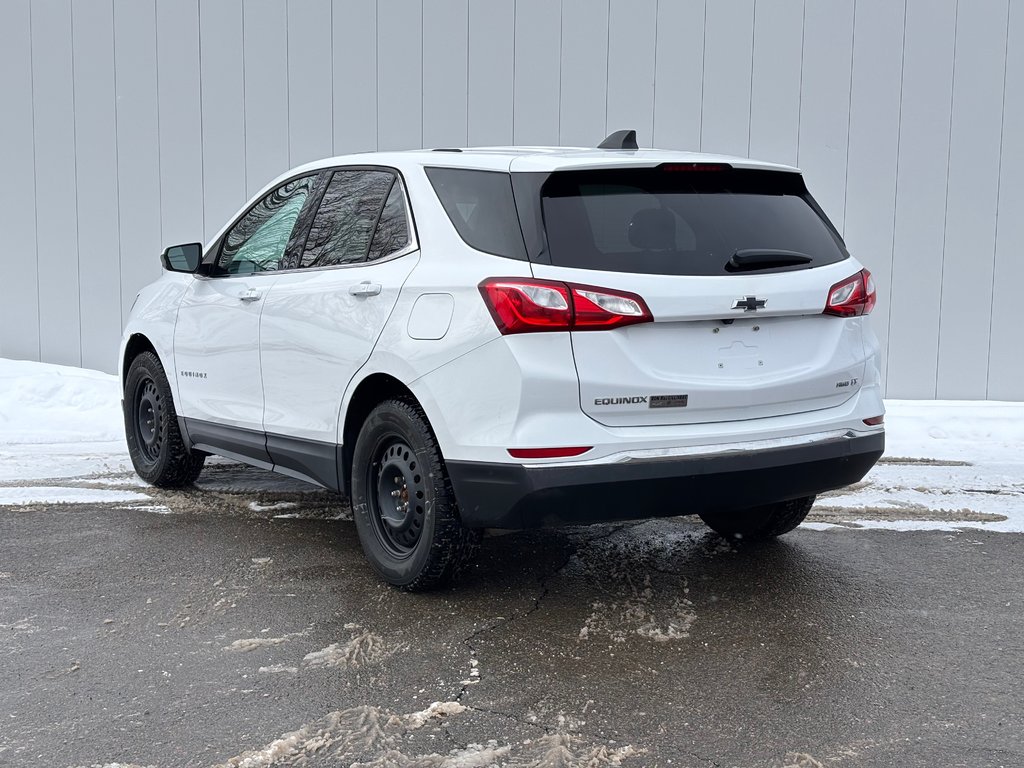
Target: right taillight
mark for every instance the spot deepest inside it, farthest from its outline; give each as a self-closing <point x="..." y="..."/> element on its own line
<point x="852" y="297"/>
<point x="520" y="305"/>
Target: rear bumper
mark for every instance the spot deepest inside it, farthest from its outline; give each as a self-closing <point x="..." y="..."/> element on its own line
<point x="493" y="495"/>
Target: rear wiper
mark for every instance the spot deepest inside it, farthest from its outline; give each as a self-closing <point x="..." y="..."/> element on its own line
<point x="765" y="258"/>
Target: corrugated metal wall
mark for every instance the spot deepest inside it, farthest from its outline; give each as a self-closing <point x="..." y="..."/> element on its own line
<point x="131" y="124"/>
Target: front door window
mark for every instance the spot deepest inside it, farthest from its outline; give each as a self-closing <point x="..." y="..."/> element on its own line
<point x="257" y="242"/>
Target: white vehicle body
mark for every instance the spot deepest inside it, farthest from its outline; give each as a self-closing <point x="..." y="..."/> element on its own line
<point x="277" y="368"/>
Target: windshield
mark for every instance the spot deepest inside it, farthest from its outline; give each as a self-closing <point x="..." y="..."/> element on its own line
<point x="684" y="222"/>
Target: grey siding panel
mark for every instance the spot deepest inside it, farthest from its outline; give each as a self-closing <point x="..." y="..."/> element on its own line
<point x="538" y="63"/>
<point x="825" y="104"/>
<point x="446" y="73"/>
<point x="874" y="145"/>
<point x="491" y="72"/>
<point x="971" y="200"/>
<point x="354" y="25"/>
<point x="310" y="81"/>
<point x="399" y="67"/>
<point x="181" y="134"/>
<point x="1005" y="361"/>
<point x="265" y="47"/>
<point x="728" y="30"/>
<point x="584" y="83"/>
<point x="96" y="163"/>
<point x="775" y="80"/>
<point x="223" y="112"/>
<point x="53" y="106"/>
<point x="679" y="76"/>
<point x="133" y="124"/>
<point x="921" y="198"/>
<point x="19" y="291"/>
<point x="632" y="40"/>
<point x="138" y="146"/>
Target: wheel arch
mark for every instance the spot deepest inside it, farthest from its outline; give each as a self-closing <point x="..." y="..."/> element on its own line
<point x="370" y="392"/>
<point x="137" y="343"/>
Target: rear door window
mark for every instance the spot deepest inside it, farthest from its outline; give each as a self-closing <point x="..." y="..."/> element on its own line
<point x="392" y="233"/>
<point x="683" y="222"/>
<point x="344" y="224"/>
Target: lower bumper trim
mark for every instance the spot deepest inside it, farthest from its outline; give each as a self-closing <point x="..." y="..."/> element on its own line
<point x="497" y="495"/>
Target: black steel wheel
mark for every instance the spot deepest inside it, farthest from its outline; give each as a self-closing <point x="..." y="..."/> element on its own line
<point x="149" y="415"/>
<point x="402" y="501"/>
<point x="398" y="507"/>
<point x="154" y="439"/>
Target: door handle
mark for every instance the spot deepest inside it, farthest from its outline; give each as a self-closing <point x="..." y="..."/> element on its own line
<point x="365" y="288"/>
<point x="250" y="295"/>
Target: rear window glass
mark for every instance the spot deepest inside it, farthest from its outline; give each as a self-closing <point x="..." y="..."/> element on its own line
<point x="672" y="222"/>
<point x="482" y="209"/>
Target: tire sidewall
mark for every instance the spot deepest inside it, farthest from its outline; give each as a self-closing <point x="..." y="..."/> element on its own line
<point x="143" y="367"/>
<point x="390" y="420"/>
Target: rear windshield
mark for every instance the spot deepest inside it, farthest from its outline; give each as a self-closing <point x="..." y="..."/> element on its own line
<point x="684" y="222"/>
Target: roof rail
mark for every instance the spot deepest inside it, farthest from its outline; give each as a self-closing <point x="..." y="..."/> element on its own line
<point x="620" y="140"/>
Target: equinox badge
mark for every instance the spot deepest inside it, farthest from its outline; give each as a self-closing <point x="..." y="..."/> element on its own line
<point x="749" y="304"/>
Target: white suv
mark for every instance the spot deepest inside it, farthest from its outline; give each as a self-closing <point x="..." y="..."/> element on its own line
<point x="514" y="337"/>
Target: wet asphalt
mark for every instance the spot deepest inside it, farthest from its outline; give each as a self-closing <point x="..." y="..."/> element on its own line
<point x="218" y="635"/>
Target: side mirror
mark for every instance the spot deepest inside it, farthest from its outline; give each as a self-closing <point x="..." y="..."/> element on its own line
<point x="183" y="258"/>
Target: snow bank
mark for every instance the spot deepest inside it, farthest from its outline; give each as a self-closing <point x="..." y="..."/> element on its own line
<point x="963" y="430"/>
<point x="41" y="403"/>
<point x="58" y="422"/>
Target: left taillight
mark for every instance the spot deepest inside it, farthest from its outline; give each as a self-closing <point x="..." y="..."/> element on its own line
<point x="520" y="305"/>
<point x="852" y="297"/>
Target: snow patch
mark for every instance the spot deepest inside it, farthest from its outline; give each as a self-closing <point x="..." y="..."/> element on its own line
<point x="438" y="709"/>
<point x="256" y="506"/>
<point x="42" y="494"/>
<point x="372" y="737"/>
<point x="158" y="509"/>
<point x="252" y="643"/>
<point x="364" y="648"/>
<point x="276" y="668"/>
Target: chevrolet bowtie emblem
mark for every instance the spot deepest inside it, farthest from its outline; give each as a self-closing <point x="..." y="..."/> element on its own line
<point x="749" y="304"/>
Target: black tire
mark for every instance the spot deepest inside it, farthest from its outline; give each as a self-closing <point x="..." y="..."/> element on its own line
<point x="760" y="523"/>
<point x="151" y="428"/>
<point x="403" y="503"/>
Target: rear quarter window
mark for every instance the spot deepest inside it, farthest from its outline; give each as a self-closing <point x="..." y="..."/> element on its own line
<point x="482" y="209"/>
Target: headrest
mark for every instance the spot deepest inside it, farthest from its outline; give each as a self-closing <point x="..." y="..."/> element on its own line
<point x="652" y="229"/>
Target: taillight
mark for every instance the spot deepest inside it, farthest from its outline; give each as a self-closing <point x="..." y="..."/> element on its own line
<point x="520" y="305"/>
<point x="852" y="297"/>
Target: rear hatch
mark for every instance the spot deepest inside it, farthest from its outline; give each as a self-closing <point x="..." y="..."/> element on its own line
<point x="735" y="265"/>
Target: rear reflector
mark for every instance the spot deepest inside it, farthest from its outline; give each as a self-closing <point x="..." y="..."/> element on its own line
<point x="852" y="297"/>
<point x="521" y="305"/>
<point x="546" y="453"/>
<point x="875" y="421"/>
